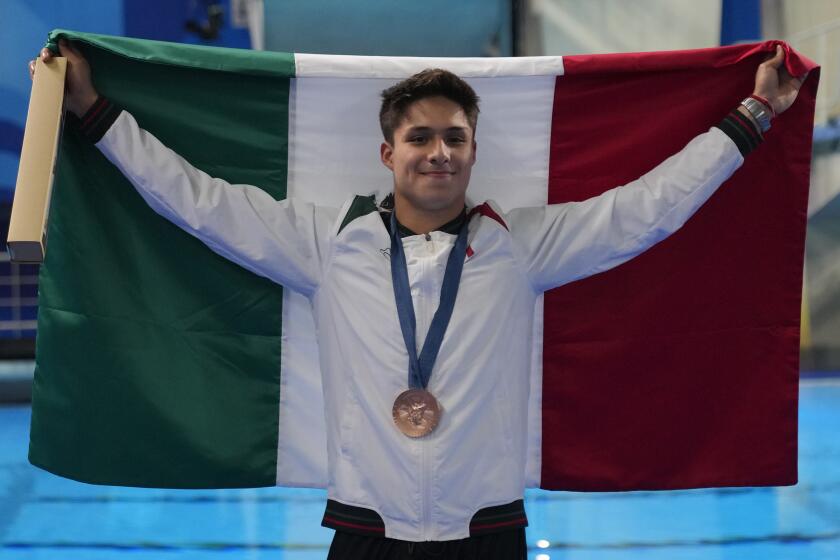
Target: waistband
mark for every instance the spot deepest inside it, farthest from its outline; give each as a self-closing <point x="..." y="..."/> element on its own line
<point x="364" y="521"/>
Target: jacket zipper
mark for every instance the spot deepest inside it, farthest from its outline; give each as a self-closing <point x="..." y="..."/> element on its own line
<point x="426" y="491"/>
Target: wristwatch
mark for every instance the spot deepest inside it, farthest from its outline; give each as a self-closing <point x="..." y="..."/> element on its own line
<point x="759" y="111"/>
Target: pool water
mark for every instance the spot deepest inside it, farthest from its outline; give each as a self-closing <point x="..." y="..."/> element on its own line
<point x="43" y="516"/>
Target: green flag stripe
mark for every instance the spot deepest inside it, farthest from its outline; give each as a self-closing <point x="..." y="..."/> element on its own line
<point x="217" y="59"/>
<point x="155" y="355"/>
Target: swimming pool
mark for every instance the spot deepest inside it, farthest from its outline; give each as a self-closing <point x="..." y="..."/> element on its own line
<point x="46" y="517"/>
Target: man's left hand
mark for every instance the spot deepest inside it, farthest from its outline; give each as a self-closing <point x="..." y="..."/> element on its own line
<point x="774" y="83"/>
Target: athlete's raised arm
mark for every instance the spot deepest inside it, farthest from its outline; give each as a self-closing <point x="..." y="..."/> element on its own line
<point x="561" y="243"/>
<point x="282" y="240"/>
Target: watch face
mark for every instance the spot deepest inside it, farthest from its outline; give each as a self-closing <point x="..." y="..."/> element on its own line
<point x="758" y="111"/>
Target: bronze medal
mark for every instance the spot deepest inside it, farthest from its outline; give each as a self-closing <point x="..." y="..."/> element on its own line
<point x="416" y="412"/>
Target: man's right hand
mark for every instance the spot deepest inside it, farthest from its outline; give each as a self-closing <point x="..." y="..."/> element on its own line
<point x="80" y="93"/>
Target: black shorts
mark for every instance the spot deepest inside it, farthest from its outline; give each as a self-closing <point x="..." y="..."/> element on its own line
<point x="504" y="545"/>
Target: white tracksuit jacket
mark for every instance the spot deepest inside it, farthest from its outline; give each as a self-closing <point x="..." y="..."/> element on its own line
<point x="428" y="488"/>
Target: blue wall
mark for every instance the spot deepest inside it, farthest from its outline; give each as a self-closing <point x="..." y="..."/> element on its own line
<point x="24" y="25"/>
<point x="388" y="27"/>
<point x="740" y="21"/>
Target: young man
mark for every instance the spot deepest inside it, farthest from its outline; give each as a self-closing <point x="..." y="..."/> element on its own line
<point x="424" y="308"/>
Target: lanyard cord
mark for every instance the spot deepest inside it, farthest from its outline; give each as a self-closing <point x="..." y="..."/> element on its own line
<point x="420" y="368"/>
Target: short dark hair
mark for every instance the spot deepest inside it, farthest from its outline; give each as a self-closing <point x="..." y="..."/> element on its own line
<point x="431" y="82"/>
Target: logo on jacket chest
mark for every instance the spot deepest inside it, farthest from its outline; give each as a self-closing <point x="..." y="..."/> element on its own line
<point x="386" y="252"/>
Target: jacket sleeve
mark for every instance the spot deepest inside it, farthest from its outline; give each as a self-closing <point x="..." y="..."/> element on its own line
<point x="561" y="243"/>
<point x="285" y="241"/>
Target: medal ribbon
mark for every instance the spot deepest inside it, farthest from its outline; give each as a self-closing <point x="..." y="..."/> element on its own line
<point x="420" y="368"/>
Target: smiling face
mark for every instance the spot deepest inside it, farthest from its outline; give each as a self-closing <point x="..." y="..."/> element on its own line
<point x="431" y="156"/>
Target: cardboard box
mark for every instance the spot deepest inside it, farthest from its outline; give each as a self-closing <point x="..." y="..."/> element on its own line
<point x="27" y="241"/>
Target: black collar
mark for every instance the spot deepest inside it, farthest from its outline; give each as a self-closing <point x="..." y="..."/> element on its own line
<point x="452" y="226"/>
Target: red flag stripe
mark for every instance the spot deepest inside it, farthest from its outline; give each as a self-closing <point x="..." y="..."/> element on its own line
<point x="679" y="368"/>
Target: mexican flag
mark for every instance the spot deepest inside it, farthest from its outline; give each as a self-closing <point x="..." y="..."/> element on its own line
<point x="159" y="363"/>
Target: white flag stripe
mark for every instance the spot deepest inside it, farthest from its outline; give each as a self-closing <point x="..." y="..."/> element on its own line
<point x="334" y="140"/>
<point x="533" y="459"/>
<point x="399" y="67"/>
<point x="302" y="429"/>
